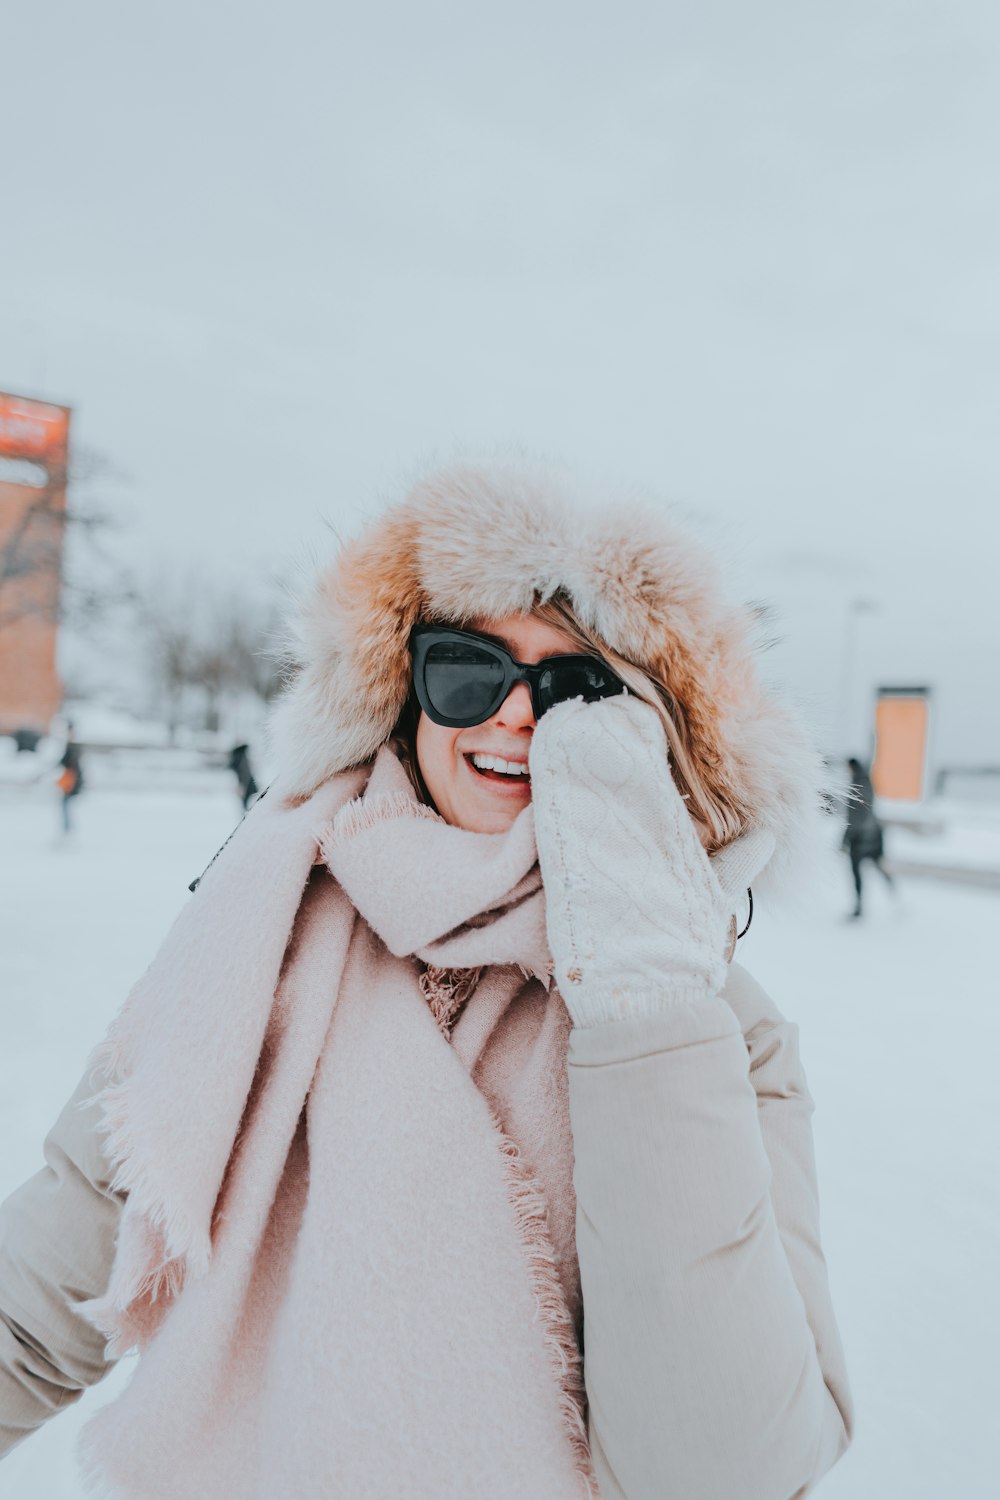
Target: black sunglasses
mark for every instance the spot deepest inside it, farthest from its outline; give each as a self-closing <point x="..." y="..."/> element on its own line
<point x="461" y="678"/>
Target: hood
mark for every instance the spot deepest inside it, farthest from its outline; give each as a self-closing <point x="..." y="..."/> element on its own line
<point x="484" y="541"/>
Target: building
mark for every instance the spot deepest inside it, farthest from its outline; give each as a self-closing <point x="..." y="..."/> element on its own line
<point x="34" y="453"/>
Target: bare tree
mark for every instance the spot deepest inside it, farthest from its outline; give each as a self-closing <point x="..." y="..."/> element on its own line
<point x="249" y="628"/>
<point x="206" y="639"/>
<point x="166" y="621"/>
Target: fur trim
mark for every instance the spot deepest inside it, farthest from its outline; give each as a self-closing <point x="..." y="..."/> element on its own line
<point x="474" y="542"/>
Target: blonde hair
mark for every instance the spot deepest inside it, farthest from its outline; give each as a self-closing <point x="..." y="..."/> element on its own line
<point x="718" y="821"/>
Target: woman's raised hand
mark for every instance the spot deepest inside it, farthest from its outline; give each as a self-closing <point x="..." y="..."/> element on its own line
<point x="638" y="917"/>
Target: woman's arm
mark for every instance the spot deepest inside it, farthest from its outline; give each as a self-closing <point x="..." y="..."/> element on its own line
<point x="713" y="1364"/>
<point x="57" y="1238"/>
<point x="709" y="1341"/>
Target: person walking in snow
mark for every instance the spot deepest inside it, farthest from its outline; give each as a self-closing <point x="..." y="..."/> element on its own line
<point x="444" y="1150"/>
<point x="863" y="835"/>
<point x="239" y="762"/>
<point x="70" y="782"/>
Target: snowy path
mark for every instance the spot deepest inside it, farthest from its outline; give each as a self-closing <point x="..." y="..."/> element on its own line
<point x="900" y="1032"/>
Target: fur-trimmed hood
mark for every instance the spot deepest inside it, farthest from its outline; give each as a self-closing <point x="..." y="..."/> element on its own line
<point x="482" y="542"/>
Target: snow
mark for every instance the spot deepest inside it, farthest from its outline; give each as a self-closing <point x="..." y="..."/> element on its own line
<point x="119" y="762"/>
<point x="946" y="833"/>
<point x="899" y="1031"/>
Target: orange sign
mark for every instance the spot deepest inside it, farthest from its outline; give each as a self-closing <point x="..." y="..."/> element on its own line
<point x="33" y="430"/>
<point x="901" y="737"/>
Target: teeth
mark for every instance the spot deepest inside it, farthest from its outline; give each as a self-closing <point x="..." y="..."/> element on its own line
<point x="496" y="763"/>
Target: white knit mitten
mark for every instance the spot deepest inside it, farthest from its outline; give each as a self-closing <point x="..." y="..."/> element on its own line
<point x="638" y="917"/>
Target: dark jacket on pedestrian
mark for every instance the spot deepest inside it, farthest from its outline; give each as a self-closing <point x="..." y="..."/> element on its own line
<point x="72" y="761"/>
<point x="863" y="834"/>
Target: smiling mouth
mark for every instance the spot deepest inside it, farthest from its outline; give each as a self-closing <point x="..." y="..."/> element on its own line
<point x="512" y="780"/>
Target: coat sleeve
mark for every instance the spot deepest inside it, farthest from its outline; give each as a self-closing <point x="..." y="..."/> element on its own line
<point x="713" y="1364"/>
<point x="57" y="1240"/>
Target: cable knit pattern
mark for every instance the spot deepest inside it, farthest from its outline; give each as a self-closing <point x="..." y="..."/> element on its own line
<point x="638" y="916"/>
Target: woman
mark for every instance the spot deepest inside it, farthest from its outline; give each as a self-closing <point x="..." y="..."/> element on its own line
<point x="448" y="1151"/>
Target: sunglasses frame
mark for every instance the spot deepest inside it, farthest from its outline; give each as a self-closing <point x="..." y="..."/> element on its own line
<point x="423" y="637"/>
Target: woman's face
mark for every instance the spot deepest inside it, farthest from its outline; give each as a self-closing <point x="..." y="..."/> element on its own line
<point x="479" y="800"/>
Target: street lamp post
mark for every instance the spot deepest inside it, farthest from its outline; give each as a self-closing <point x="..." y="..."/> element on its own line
<point x="849" y="663"/>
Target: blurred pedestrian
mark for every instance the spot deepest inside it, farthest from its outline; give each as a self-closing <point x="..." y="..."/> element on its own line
<point x="863" y="834"/>
<point x="70" y="782"/>
<point x="239" y="761"/>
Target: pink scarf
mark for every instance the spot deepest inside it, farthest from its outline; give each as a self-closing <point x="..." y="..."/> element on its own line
<point x="347" y="1253"/>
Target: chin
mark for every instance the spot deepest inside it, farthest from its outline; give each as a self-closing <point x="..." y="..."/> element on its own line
<point x="494" y="820"/>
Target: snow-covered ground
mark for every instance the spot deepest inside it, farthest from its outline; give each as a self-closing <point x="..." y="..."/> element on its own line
<point x="900" y="1031"/>
<point x="945" y="833"/>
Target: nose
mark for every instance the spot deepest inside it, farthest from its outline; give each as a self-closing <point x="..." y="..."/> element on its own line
<point x="515" y="712"/>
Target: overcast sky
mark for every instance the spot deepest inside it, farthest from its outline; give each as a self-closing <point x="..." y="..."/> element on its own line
<point x="745" y="257"/>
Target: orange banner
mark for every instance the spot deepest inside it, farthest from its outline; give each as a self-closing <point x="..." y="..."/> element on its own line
<point x="33" y="430"/>
<point x="901" y="721"/>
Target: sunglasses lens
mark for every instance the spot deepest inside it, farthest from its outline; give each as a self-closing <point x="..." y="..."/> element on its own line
<point x="583" y="677"/>
<point x="462" y="680"/>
